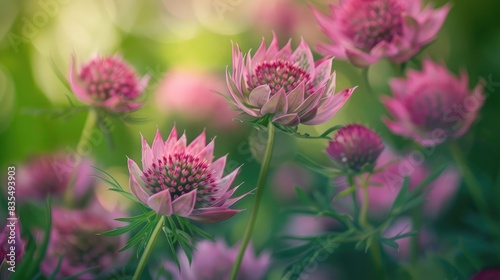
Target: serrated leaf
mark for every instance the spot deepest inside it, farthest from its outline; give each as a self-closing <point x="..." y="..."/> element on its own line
<point x="123" y="229"/>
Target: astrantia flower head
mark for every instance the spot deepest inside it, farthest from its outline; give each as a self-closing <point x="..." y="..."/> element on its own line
<point x="432" y="105"/>
<point x="50" y="174"/>
<point x="288" y="87"/>
<point x="181" y="179"/>
<point x="76" y="244"/>
<point x="355" y="147"/>
<point x="364" y="31"/>
<point x="108" y="82"/>
<point x="214" y="260"/>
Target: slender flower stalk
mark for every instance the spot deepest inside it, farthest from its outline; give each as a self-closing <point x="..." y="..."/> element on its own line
<point x="149" y="247"/>
<point x="258" y="197"/>
<point x="84" y="137"/>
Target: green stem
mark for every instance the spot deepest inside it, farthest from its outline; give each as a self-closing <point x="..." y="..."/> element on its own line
<point x="363" y="222"/>
<point x="470" y="181"/>
<point x="350" y="180"/>
<point x="416" y="219"/>
<point x="84" y="137"/>
<point x="366" y="79"/>
<point x="258" y="197"/>
<point x="377" y="259"/>
<point x="149" y="248"/>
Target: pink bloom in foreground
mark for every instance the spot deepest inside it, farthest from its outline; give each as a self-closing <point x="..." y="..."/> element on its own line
<point x="387" y="184"/>
<point x="355" y="147"/>
<point x="432" y="105"/>
<point x="75" y="241"/>
<point x="181" y="91"/>
<point x="181" y="179"/>
<point x="107" y="82"/>
<point x="290" y="88"/>
<point x="364" y="31"/>
<point x="51" y="174"/>
<point x="10" y="236"/>
<point x="214" y="261"/>
<point x="487" y="274"/>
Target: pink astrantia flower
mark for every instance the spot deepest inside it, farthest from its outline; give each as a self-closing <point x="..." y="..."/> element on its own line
<point x="50" y="174"/>
<point x="182" y="179"/>
<point x="108" y="82"/>
<point x="214" y="261"/>
<point x="355" y="147"/>
<point x="290" y="87"/>
<point x="432" y="105"/>
<point x="76" y="243"/>
<point x="364" y="31"/>
<point x="11" y="229"/>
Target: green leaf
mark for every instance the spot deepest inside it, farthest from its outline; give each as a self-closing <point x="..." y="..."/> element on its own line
<point x="124" y="229"/>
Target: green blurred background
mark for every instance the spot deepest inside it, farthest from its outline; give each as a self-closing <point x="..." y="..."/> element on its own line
<point x="37" y="37"/>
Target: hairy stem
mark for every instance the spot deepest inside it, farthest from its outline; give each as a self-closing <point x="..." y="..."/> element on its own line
<point x="149" y="248"/>
<point x="258" y="197"/>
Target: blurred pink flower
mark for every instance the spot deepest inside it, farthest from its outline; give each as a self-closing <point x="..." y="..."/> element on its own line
<point x="304" y="225"/>
<point x="50" y="174"/>
<point x="183" y="180"/>
<point x="290" y="88"/>
<point x="403" y="226"/>
<point x="75" y="241"/>
<point x="214" y="261"/>
<point x="288" y="176"/>
<point x="10" y="237"/>
<point x="364" y="31"/>
<point x="107" y="82"/>
<point x="432" y="105"/>
<point x="355" y="147"/>
<point x="389" y="181"/>
<point x="181" y="90"/>
<point x="487" y="274"/>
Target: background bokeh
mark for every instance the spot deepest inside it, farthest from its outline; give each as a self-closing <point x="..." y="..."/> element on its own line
<point x="187" y="44"/>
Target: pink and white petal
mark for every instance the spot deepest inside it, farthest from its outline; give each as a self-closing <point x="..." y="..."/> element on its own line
<point x="224" y="183"/>
<point x="360" y="59"/>
<point x="275" y="104"/>
<point x="147" y="154"/>
<point x="288" y="119"/>
<point x="331" y="86"/>
<point x="311" y="114"/>
<point x="171" y="140"/>
<point x="430" y="28"/>
<point x="180" y="145"/>
<point x="212" y="215"/>
<point x="229" y="202"/>
<point x="218" y="167"/>
<point x="273" y="48"/>
<point x="158" y="148"/>
<point x="136" y="183"/>
<point x="220" y="198"/>
<point x="76" y="84"/>
<point x="331" y="106"/>
<point x="322" y="71"/>
<point x="296" y="97"/>
<point x="309" y="104"/>
<point x="303" y="57"/>
<point x="184" y="204"/>
<point x="260" y="55"/>
<point x="411" y="29"/>
<point x="198" y="144"/>
<point x="207" y="153"/>
<point x="259" y="96"/>
<point x="285" y="53"/>
<point x="237" y="100"/>
<point x="161" y="203"/>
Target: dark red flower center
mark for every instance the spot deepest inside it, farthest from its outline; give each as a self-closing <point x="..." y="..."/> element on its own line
<point x="355" y="147"/>
<point x="108" y="77"/>
<point x="181" y="173"/>
<point x="369" y="22"/>
<point x="279" y="74"/>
